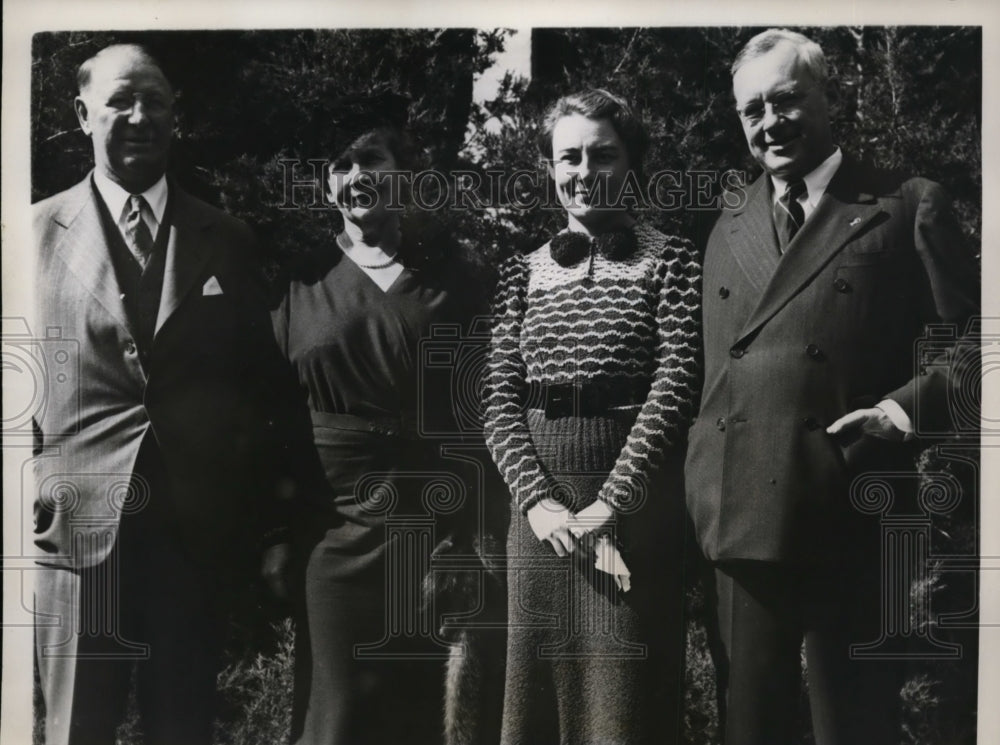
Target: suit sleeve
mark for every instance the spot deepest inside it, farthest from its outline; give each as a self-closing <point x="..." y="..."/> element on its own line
<point x="948" y="295"/>
<point x="667" y="412"/>
<point x="506" y="426"/>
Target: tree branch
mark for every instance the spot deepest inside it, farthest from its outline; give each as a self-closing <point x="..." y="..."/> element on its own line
<point x="628" y="49"/>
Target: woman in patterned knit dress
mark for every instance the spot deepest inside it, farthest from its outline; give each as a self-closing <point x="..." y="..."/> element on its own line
<point x="590" y="386"/>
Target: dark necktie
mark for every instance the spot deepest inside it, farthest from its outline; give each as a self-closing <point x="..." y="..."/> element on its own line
<point x="788" y="213"/>
<point x="138" y="236"/>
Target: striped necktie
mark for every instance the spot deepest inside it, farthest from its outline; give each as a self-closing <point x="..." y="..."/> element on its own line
<point x="138" y="236"/>
<point x="788" y="213"/>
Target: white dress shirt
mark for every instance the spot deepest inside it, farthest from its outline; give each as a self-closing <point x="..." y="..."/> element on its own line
<point x="116" y="200"/>
<point x="816" y="182"/>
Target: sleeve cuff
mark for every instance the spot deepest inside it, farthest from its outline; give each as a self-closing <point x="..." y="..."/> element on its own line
<point x="897" y="416"/>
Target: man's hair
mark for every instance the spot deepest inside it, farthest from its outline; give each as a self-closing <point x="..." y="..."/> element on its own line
<point x="596" y="103"/>
<point x="809" y="52"/>
<point x="84" y="73"/>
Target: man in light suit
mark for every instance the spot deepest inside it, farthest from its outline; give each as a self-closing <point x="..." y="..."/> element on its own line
<point x="155" y="473"/>
<point x="816" y="288"/>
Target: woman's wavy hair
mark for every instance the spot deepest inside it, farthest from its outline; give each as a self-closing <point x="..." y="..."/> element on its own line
<point x="396" y="140"/>
<point x="597" y="103"/>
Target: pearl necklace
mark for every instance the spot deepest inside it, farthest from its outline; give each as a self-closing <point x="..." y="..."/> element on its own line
<point x="392" y="259"/>
<point x="386" y="265"/>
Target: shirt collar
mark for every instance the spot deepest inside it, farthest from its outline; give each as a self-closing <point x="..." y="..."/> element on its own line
<point x="115" y="197"/>
<point x="816" y="180"/>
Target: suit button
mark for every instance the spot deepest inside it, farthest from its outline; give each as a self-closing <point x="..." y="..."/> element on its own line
<point x="841" y="285"/>
<point x="811" y="423"/>
<point x="130" y="348"/>
<point x="737" y="352"/>
<point x="723" y="292"/>
<point x="720" y="424"/>
<point x="815" y="352"/>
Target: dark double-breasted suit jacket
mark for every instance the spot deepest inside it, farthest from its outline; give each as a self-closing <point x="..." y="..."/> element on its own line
<point x="205" y="388"/>
<point x="794" y="341"/>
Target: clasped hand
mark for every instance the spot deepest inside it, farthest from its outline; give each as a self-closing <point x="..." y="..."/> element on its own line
<point x="563" y="530"/>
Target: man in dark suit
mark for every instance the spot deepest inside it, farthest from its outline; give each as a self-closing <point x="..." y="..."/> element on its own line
<point x="816" y="288"/>
<point x="154" y="473"/>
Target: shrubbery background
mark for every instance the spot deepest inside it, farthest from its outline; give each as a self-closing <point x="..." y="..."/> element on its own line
<point x="905" y="97"/>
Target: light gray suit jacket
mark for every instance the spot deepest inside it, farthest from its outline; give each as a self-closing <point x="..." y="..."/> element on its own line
<point x="205" y="391"/>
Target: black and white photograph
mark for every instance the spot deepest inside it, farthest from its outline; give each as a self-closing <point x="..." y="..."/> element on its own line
<point x="560" y="375"/>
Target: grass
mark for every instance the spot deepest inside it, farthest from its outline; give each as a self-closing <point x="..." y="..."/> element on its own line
<point x="255" y="686"/>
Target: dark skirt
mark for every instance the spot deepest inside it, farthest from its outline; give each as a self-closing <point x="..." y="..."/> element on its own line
<point x="366" y="667"/>
<point x="588" y="664"/>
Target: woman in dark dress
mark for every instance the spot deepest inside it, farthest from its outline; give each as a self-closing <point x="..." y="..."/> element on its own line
<point x="351" y="329"/>
<point x="591" y="383"/>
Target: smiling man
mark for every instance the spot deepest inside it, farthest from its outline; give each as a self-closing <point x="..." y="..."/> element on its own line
<point x="151" y="470"/>
<point x="816" y="289"/>
<point x="126" y="107"/>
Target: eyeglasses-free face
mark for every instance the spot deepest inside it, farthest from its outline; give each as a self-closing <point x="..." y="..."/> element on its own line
<point x="589" y="166"/>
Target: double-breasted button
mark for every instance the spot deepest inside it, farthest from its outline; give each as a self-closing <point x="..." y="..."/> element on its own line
<point x="130" y="347"/>
<point x="841" y="285"/>
<point x="720" y="424"/>
<point x="815" y="352"/>
<point x="811" y="423"/>
<point x="737" y="352"/>
<point x="723" y="292"/>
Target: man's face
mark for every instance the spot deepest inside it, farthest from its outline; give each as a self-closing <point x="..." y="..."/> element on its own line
<point x="783" y="112"/>
<point x="127" y="110"/>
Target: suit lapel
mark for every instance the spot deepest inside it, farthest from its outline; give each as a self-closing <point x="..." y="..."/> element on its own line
<point x="751" y="238"/>
<point x="841" y="214"/>
<point x="84" y="249"/>
<point x="188" y="250"/>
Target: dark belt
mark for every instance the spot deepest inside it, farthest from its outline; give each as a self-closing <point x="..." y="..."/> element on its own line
<point x="388" y="426"/>
<point x="585" y="399"/>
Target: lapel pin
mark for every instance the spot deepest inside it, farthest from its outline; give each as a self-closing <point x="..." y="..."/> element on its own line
<point x="855" y="221"/>
<point x="211" y="287"/>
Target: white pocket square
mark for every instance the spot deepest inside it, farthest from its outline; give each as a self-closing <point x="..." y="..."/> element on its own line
<point x="211" y="287"/>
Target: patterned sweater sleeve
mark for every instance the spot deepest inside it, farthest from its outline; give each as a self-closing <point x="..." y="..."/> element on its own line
<point x="506" y="425"/>
<point x="667" y="412"/>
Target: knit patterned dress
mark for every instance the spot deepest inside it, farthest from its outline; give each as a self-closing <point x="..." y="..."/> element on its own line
<point x="588" y="663"/>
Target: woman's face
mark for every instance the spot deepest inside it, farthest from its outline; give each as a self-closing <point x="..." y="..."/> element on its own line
<point x="359" y="183"/>
<point x="589" y="166"/>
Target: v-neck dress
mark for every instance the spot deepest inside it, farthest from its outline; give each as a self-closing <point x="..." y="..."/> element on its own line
<point x="354" y="345"/>
<point x="356" y="351"/>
